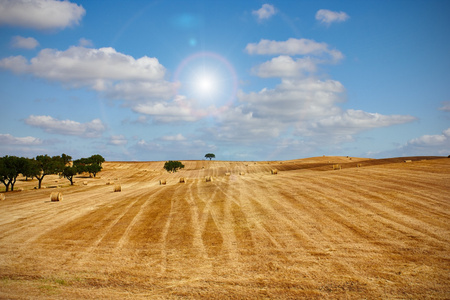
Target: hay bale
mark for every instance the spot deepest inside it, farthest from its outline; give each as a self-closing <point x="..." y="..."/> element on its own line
<point x="227" y="174"/>
<point x="84" y="182"/>
<point x="117" y="188"/>
<point x="337" y="167"/>
<point x="162" y="182"/>
<point x="2" y="197"/>
<point x="109" y="182"/>
<point x="358" y="165"/>
<point x="241" y="173"/>
<point x="208" y="178"/>
<point x="408" y="161"/>
<point x="274" y="171"/>
<point x="56" y="196"/>
<point x="182" y="180"/>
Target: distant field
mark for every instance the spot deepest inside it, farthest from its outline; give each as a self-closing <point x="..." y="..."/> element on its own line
<point x="373" y="229"/>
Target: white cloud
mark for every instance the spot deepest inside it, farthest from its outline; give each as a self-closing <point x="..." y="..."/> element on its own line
<point x="24" y="43"/>
<point x="85" y="42"/>
<point x="341" y="127"/>
<point x="177" y="110"/>
<point x="437" y="144"/>
<point x="79" y="66"/>
<point x="295" y="99"/>
<point x="433" y="140"/>
<point x="118" y="140"/>
<point x="445" y="106"/>
<point x="265" y="12"/>
<point x="92" y="129"/>
<point x="327" y="16"/>
<point x="285" y="66"/>
<point x="40" y="14"/>
<point x="178" y="137"/>
<point x="293" y="47"/>
<point x="7" y="139"/>
<point x="140" y="82"/>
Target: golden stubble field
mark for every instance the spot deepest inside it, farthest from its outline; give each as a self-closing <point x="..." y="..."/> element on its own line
<point x="377" y="231"/>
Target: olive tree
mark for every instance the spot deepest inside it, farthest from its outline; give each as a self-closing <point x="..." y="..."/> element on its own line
<point x="173" y="166"/>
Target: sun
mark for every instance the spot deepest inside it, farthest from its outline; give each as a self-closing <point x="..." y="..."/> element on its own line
<point x="205" y="84"/>
<point x="207" y="81"/>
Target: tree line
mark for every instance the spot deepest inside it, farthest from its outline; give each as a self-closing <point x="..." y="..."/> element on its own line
<point x="42" y="165"/>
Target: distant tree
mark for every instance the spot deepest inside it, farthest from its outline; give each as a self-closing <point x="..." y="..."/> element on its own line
<point x="96" y="159"/>
<point x="173" y="166"/>
<point x="10" y="168"/>
<point x="66" y="159"/>
<point x="69" y="172"/>
<point x="48" y="165"/>
<point x="30" y="168"/>
<point x="91" y="165"/>
<point x="93" y="169"/>
<point x="210" y="155"/>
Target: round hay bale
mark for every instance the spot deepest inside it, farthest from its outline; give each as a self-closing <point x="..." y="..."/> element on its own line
<point x="109" y="182"/>
<point x="84" y="182"/>
<point x="274" y="171"/>
<point x="208" y="178"/>
<point x="117" y="188"/>
<point x="56" y="196"/>
<point x="241" y="173"/>
<point x="162" y="182"/>
<point x="408" y="161"/>
<point x="358" y="165"/>
<point x="182" y="180"/>
<point x="2" y="197"/>
<point x="227" y="174"/>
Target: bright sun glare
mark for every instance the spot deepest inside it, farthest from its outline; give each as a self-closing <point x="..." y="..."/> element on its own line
<point x="205" y="84"/>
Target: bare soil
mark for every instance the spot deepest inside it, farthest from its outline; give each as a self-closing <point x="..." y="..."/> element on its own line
<point x="375" y="229"/>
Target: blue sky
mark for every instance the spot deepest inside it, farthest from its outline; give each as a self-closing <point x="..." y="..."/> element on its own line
<point x="245" y="80"/>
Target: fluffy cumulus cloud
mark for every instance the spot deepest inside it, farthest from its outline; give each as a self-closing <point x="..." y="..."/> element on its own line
<point x="344" y="125"/>
<point x="433" y="144"/>
<point x="92" y="129"/>
<point x="118" y="140"/>
<point x="178" y="137"/>
<point x="303" y="105"/>
<point x="293" y="47"/>
<point x="8" y="139"/>
<point x="40" y="14"/>
<point x="80" y="66"/>
<point x="327" y="17"/>
<point x="285" y="66"/>
<point x="24" y="43"/>
<point x="139" y="82"/>
<point x="445" y="106"/>
<point x="180" y="109"/>
<point x="265" y="12"/>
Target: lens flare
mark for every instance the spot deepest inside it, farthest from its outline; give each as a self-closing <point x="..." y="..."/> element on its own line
<point x="208" y="81"/>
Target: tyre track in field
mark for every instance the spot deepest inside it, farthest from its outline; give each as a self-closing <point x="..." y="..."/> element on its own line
<point x="283" y="208"/>
<point x="398" y="198"/>
<point x="47" y="219"/>
<point x="391" y="215"/>
<point x="262" y="238"/>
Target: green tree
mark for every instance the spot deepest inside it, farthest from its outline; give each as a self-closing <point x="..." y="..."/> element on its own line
<point x="173" y="165"/>
<point x="96" y="159"/>
<point x="93" y="169"/>
<point x="10" y="168"/>
<point x="92" y="165"/>
<point x="210" y="155"/>
<point x="69" y="172"/>
<point x="48" y="165"/>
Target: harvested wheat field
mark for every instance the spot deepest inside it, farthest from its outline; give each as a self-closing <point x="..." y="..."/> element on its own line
<point x="373" y="229"/>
